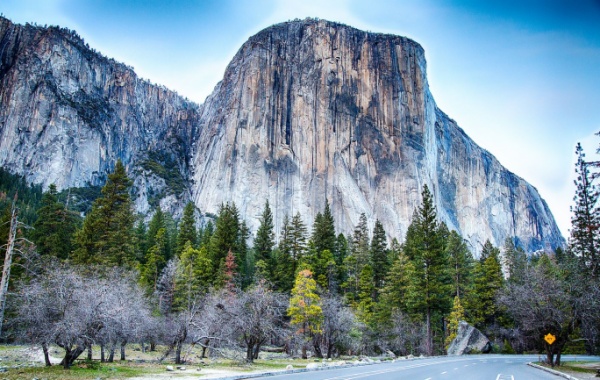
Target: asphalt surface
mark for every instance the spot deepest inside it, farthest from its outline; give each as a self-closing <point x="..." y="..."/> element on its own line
<point x="472" y="367"/>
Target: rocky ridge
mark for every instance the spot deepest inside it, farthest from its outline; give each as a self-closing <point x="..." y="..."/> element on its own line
<point x="307" y="111"/>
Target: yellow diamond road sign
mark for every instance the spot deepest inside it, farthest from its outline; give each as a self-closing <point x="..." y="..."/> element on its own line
<point x="549" y="338"/>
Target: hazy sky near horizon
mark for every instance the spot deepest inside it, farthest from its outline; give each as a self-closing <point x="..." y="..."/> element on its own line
<point x="522" y="78"/>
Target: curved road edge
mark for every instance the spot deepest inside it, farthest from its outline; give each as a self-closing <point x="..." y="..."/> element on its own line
<point x="552" y="371"/>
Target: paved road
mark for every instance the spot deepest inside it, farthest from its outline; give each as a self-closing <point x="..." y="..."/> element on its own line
<point x="472" y="367"/>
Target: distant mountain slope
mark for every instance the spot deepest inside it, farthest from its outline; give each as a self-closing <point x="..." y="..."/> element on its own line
<point x="67" y="114"/>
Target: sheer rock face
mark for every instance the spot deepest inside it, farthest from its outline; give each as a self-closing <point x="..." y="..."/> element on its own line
<point x="307" y="111"/>
<point x="313" y="110"/>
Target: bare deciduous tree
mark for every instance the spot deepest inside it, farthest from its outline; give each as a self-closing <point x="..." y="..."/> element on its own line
<point x="540" y="305"/>
<point x="63" y="308"/>
<point x="258" y="316"/>
<point x="408" y="337"/>
<point x="338" y="322"/>
<point x="73" y="310"/>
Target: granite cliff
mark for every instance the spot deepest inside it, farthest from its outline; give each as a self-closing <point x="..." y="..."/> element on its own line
<point x="307" y="110"/>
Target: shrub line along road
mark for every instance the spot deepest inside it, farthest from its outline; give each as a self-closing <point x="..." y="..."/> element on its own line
<point x="472" y="367"/>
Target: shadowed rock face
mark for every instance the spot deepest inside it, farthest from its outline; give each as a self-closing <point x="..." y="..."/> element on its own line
<point x="307" y="110"/>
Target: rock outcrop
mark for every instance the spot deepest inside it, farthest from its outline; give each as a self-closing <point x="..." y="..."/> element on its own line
<point x="469" y="340"/>
<point x="307" y="111"/>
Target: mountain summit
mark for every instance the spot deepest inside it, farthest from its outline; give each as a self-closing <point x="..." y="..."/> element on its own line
<point x="307" y="111"/>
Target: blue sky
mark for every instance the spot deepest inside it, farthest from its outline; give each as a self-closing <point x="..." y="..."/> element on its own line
<point x="522" y="78"/>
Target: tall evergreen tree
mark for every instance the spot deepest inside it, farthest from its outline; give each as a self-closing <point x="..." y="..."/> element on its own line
<point x="107" y="235"/>
<point x="141" y="241"/>
<point x="231" y="274"/>
<point x="366" y="289"/>
<point x="285" y="264"/>
<point x="187" y="229"/>
<point x="360" y="243"/>
<point x="393" y="296"/>
<point x="339" y="255"/>
<point x="585" y="219"/>
<point x="206" y="234"/>
<point x="379" y="258"/>
<point x="54" y="228"/>
<point x="394" y="251"/>
<point x="515" y="261"/>
<point x="154" y="262"/>
<point x="429" y="283"/>
<point x="357" y="259"/>
<point x="488" y="280"/>
<point x="265" y="241"/>
<point x="193" y="276"/>
<point x="298" y="235"/>
<point x="243" y="259"/>
<point x="323" y="235"/>
<point x="461" y="263"/>
<point x="156" y="223"/>
<point x="225" y="237"/>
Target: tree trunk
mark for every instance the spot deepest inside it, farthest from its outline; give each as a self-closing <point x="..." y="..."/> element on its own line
<point x="12" y="234"/>
<point x="111" y="354"/>
<point x="178" y="352"/>
<point x="152" y="346"/>
<point x="250" y="352"/>
<point x="549" y="355"/>
<point x="46" y="355"/>
<point x="317" y="347"/>
<point x="143" y="347"/>
<point x="123" y="344"/>
<point x="89" y="352"/>
<point x="65" y="362"/>
<point x="256" y="351"/>
<point x="558" y="350"/>
<point x="204" y="343"/>
<point x="102" y="358"/>
<point x="304" y="355"/>
<point x="329" y="350"/>
<point x="429" y="343"/>
<point x="71" y="356"/>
